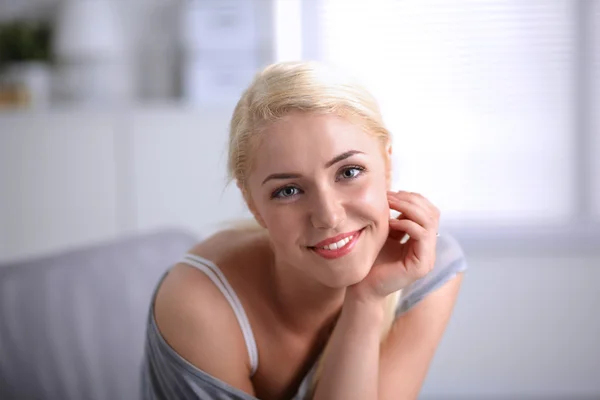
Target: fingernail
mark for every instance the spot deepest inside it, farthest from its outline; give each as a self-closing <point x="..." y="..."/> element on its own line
<point x="404" y="238"/>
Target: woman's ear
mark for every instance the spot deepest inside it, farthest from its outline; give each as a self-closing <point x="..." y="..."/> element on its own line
<point x="388" y="165"/>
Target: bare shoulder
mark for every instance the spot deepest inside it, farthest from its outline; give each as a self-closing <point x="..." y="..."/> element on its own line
<point x="197" y="321"/>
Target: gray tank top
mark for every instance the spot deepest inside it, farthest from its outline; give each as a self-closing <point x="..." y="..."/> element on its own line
<point x="167" y="375"/>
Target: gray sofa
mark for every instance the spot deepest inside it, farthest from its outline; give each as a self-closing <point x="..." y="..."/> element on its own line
<point x="72" y="325"/>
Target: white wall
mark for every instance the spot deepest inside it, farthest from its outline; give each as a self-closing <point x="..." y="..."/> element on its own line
<point x="72" y="178"/>
<point x="57" y="182"/>
<point x="179" y="170"/>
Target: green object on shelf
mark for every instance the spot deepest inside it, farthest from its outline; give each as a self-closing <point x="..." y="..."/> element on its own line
<point x="23" y="41"/>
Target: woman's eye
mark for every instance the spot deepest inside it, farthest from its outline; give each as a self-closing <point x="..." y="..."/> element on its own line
<point x="351" y="172"/>
<point x="288" y="191"/>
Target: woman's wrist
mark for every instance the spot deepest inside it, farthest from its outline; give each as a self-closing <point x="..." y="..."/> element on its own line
<point x="365" y="304"/>
<point x="363" y="293"/>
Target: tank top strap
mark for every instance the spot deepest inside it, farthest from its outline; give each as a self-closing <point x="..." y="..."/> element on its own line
<point x="218" y="278"/>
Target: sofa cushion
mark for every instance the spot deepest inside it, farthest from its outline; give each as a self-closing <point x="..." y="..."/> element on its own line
<point x="72" y="325"/>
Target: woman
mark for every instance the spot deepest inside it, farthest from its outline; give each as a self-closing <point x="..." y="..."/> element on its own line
<point x="307" y="304"/>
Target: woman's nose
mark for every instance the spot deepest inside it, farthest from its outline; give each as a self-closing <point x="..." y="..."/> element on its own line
<point x="327" y="211"/>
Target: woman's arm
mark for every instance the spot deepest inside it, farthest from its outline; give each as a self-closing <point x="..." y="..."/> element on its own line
<point x="353" y="367"/>
<point x="195" y="319"/>
<point x="351" y="364"/>
<point x="408" y="350"/>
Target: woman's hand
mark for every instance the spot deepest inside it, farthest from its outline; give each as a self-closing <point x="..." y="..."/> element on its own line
<point x="402" y="262"/>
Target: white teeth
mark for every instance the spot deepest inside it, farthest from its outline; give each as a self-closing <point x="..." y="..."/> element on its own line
<point x="338" y="245"/>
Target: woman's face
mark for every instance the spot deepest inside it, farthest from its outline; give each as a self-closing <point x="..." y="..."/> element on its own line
<point x="318" y="184"/>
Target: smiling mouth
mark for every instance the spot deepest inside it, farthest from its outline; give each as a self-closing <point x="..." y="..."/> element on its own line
<point x="339" y="248"/>
<point x="337" y="245"/>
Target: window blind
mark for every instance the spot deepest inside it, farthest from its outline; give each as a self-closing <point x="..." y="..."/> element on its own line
<point x="479" y="97"/>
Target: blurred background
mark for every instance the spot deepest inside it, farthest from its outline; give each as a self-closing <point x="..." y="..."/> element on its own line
<point x="114" y="118"/>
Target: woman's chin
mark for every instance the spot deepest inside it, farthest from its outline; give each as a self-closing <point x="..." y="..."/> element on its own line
<point x="349" y="269"/>
<point x="350" y="274"/>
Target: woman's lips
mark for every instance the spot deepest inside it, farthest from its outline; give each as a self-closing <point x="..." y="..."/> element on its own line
<point x="339" y="248"/>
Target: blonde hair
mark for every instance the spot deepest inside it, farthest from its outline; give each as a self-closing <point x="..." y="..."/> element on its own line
<point x="307" y="87"/>
<point x="296" y="86"/>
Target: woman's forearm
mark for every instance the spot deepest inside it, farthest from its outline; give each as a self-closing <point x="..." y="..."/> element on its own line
<point x="351" y="365"/>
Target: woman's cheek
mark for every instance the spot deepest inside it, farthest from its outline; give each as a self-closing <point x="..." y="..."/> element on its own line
<point x="373" y="199"/>
<point x="284" y="225"/>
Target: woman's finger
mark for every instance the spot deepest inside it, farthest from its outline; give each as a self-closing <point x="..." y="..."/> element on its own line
<point x="417" y="199"/>
<point x="414" y="212"/>
<point x="399" y="228"/>
<point x="396" y="214"/>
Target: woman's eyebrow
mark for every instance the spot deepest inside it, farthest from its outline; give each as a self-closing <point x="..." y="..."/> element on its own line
<point x="285" y="175"/>
<point x="342" y="157"/>
<point x="295" y="175"/>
